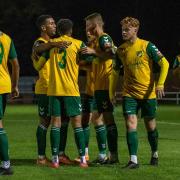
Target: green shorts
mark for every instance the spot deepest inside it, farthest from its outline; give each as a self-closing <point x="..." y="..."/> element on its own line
<point x="103" y="102"/>
<point x="43" y="105"/>
<point x="87" y="103"/>
<point x="148" y="107"/>
<point x="70" y="105"/>
<point x="3" y="101"/>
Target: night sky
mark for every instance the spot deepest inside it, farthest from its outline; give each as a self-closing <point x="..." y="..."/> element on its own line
<point x="160" y="22"/>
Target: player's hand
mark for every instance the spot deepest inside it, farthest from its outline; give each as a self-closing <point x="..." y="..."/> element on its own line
<point x="160" y="92"/>
<point x="113" y="101"/>
<point x="62" y="44"/>
<point x="87" y="50"/>
<point x="112" y="98"/>
<point x="15" y="92"/>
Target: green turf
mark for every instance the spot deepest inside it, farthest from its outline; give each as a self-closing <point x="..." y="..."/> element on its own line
<point x="20" y="123"/>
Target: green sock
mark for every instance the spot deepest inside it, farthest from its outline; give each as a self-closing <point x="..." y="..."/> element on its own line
<point x="112" y="137"/>
<point x="79" y="138"/>
<point x="41" y="139"/>
<point x="55" y="139"/>
<point x="3" y="145"/>
<point x="132" y="142"/>
<point x="86" y="130"/>
<point x="101" y="138"/>
<point x="153" y="139"/>
<point x="63" y="137"/>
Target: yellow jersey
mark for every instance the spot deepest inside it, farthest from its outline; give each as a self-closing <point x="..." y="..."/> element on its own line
<point x="103" y="68"/>
<point x="64" y="68"/>
<point x="137" y="59"/>
<point x="43" y="79"/>
<point x="7" y="52"/>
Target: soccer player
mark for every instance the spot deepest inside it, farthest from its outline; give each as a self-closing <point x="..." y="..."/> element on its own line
<point x="47" y="28"/>
<point x="63" y="89"/>
<point x="139" y="88"/>
<point x="103" y="49"/>
<point x="89" y="111"/>
<point x="8" y="84"/>
<point x="87" y="100"/>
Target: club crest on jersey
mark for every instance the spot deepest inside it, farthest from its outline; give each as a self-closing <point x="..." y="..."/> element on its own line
<point x="139" y="53"/>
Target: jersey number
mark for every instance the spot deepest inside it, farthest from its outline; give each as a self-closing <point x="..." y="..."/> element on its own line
<point x="62" y="62"/>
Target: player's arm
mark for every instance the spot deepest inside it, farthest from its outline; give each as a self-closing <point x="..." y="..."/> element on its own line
<point x="39" y="59"/>
<point x="85" y="58"/>
<point x="113" y="78"/>
<point x="38" y="65"/>
<point x="41" y="47"/>
<point x="15" y="70"/>
<point x="156" y="56"/>
<point x="35" y="56"/>
<point x="107" y="49"/>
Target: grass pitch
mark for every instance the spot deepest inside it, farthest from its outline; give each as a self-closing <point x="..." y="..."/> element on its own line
<point x="21" y="121"/>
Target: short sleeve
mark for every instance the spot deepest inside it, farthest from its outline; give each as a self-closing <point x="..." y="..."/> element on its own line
<point x="12" y="51"/>
<point x="105" y="41"/>
<point x="153" y="52"/>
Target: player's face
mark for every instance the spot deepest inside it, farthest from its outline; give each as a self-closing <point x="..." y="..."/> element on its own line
<point x="50" y="27"/>
<point x="90" y="37"/>
<point x="91" y="27"/>
<point x="128" y="32"/>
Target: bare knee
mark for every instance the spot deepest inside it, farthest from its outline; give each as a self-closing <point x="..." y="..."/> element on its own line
<point x="131" y="122"/>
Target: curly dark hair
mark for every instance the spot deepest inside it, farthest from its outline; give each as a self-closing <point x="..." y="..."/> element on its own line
<point x="41" y="20"/>
<point x="64" y="26"/>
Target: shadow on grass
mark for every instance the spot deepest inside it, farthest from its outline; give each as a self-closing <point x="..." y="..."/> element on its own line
<point x="23" y="162"/>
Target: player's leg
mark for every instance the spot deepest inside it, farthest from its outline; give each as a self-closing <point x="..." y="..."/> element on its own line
<point x="97" y="120"/>
<point x="86" y="129"/>
<point x="87" y="108"/>
<point x="86" y="116"/>
<point x="73" y="108"/>
<point x="63" y="158"/>
<point x="130" y="108"/>
<point x="41" y="132"/>
<point x="5" y="169"/>
<point x="55" y="112"/>
<point x="148" y="112"/>
<point x="112" y="137"/>
<point x="106" y="108"/>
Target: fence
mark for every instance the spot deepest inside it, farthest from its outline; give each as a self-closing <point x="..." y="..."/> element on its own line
<point x="169" y="96"/>
<point x="26" y="86"/>
<point x="28" y="97"/>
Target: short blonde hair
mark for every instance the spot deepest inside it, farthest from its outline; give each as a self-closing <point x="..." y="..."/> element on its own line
<point x="96" y="17"/>
<point x="130" y="21"/>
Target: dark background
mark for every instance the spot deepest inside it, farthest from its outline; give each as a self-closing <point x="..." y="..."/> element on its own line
<point x="160" y="22"/>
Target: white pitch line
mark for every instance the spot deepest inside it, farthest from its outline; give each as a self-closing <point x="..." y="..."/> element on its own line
<point x="170" y="123"/>
<point x="159" y="122"/>
<point x="141" y="121"/>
